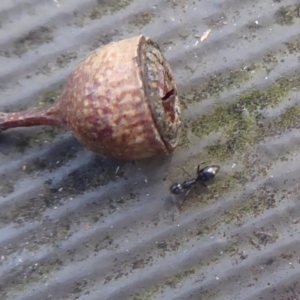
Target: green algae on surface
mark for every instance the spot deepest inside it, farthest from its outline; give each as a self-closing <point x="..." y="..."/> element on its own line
<point x="50" y="96"/>
<point x="289" y="119"/>
<point x="200" y="196"/>
<point x="173" y="281"/>
<point x="33" y="39"/>
<point x="241" y="127"/>
<point x="254" y="204"/>
<point x="64" y="59"/>
<point x="100" y="9"/>
<point x="239" y="121"/>
<point x="294" y="46"/>
<point x="184" y="134"/>
<point x="104" y="39"/>
<point x="142" y="19"/>
<point x="30" y="274"/>
<point x="233" y="125"/>
<point x="107" y="7"/>
<point x="218" y="83"/>
<point x="287" y="15"/>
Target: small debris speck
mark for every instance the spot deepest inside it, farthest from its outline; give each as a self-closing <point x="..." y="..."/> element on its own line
<point x="205" y="35"/>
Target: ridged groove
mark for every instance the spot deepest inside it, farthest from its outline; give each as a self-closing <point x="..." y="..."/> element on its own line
<point x="77" y="226"/>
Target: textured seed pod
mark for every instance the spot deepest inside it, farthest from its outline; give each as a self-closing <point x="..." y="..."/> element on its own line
<point x="121" y="102"/>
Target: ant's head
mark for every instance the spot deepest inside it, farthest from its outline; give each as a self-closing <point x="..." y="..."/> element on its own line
<point x="176" y="188"/>
<point x="213" y="169"/>
<point x="208" y="172"/>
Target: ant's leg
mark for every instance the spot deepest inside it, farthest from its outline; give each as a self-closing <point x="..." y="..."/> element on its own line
<point x="183" y="200"/>
<point x="185" y="196"/>
<point x="187" y="185"/>
<point x="204" y="184"/>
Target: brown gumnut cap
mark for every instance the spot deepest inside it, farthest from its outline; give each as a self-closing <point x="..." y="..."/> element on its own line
<point x="122" y="101"/>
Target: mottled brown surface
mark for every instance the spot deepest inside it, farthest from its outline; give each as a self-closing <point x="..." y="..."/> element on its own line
<point x="107" y="107"/>
<point x="110" y="105"/>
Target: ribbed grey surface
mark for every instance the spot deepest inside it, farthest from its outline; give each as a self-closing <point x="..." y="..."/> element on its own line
<point x="77" y="226"/>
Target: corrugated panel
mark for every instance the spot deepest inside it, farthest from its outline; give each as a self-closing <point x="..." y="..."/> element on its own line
<point x="77" y="226"/>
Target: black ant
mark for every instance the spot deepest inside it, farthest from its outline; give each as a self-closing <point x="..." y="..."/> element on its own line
<point x="204" y="174"/>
